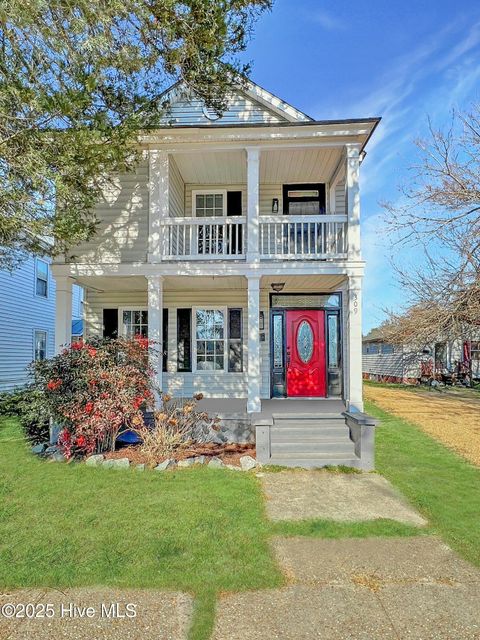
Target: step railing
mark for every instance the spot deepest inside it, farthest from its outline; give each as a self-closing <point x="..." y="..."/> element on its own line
<point x="303" y="237"/>
<point x="203" y="238"/>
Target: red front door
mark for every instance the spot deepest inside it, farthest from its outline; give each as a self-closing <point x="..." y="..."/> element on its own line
<point x="306" y="353"/>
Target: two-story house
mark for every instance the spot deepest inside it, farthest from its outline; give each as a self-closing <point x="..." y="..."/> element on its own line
<point x="236" y="245"/>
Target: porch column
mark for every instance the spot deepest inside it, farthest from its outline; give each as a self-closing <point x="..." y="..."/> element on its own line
<point x="353" y="201"/>
<point x="253" y="368"/>
<point x="63" y="312"/>
<point x="253" y="206"/>
<point x="155" y="332"/>
<point x="354" y="344"/>
<point x="158" y="180"/>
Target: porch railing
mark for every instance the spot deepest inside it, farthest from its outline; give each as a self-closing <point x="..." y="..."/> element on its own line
<point x="303" y="237"/>
<point x="204" y="238"/>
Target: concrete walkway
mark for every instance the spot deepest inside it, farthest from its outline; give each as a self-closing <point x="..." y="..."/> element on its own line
<point x="300" y="495"/>
<point x="159" y="614"/>
<point x="370" y="589"/>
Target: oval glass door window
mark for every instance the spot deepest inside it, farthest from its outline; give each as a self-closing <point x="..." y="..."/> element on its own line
<point x="305" y="342"/>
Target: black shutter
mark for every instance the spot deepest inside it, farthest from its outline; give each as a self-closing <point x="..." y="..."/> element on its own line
<point x="165" y="339"/>
<point x="234" y="203"/>
<point x="184" y="339"/>
<point x="110" y="323"/>
<point x="235" y="341"/>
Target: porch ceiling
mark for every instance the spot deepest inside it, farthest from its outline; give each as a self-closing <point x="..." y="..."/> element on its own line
<point x="277" y="166"/>
<point x="312" y="283"/>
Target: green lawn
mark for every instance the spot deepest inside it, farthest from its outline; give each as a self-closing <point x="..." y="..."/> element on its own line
<point x="197" y="530"/>
<point x="443" y="486"/>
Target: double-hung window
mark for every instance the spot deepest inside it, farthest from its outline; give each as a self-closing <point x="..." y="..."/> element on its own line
<point x="135" y="323"/>
<point x="41" y="278"/>
<point x="40" y="345"/>
<point x="210" y="339"/>
<point x="209" y="204"/>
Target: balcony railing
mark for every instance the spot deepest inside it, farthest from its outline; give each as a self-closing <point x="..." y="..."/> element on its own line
<point x="204" y="238"/>
<point x="303" y="237"/>
<point x="280" y="237"/>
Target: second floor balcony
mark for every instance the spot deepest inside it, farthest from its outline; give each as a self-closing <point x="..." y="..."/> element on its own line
<point x="254" y="204"/>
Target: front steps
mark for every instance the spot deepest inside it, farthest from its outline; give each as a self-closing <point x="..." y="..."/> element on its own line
<point x="307" y="440"/>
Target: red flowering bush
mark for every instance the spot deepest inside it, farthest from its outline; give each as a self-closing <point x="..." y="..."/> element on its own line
<point x="95" y="389"/>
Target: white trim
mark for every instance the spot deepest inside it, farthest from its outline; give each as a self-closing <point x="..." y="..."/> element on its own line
<point x="224" y="310"/>
<point x="121" y="331"/>
<point x="209" y="192"/>
<point x="37" y="295"/>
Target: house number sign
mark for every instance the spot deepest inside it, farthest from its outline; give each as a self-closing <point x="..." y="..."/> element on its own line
<point x="355" y="303"/>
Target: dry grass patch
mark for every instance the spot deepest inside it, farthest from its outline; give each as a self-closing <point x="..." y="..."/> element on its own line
<point x="453" y="422"/>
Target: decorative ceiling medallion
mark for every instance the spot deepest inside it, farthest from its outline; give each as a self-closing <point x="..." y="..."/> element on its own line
<point x="305" y="342"/>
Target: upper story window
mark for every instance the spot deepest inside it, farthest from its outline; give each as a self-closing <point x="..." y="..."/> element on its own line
<point x="209" y="204"/>
<point x="41" y="278"/>
<point x="304" y="199"/>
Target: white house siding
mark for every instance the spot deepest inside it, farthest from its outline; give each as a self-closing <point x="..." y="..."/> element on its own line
<point x="240" y="109"/>
<point x="213" y="187"/>
<point x="383" y="364"/>
<point x="122" y="214"/>
<point x="340" y="198"/>
<point x="176" y="191"/>
<point x="218" y="385"/>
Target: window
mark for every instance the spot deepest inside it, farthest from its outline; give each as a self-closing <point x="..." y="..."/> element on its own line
<point x="235" y="342"/>
<point x="370" y="349"/>
<point x="333" y="341"/>
<point x="135" y="323"/>
<point x="210" y="339"/>
<point x="41" y="278"/>
<point x="475" y="351"/>
<point x="40" y="345"/>
<point x="303" y="199"/>
<point x="184" y="340"/>
<point x="209" y="204"/>
<point x="388" y="349"/>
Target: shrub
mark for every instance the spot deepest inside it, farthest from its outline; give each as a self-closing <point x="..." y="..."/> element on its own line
<point x="29" y="405"/>
<point x="94" y="389"/>
<point x="177" y="425"/>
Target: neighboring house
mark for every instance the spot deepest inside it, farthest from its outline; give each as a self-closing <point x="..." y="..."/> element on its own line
<point x="442" y="360"/>
<point x="236" y="244"/>
<point x="27" y="319"/>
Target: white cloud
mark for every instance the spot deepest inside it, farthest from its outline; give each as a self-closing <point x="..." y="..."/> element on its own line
<point x="327" y="20"/>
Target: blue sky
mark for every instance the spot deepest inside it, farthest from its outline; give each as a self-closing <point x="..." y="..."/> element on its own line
<point x="402" y="61"/>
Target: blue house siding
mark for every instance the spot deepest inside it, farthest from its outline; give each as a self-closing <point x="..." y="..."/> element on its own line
<point x="21" y="313"/>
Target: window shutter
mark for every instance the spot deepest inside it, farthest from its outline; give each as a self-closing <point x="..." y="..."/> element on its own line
<point x="110" y="323"/>
<point x="165" y="340"/>
<point x="184" y="339"/>
<point x="235" y="341"/>
<point x="234" y="203"/>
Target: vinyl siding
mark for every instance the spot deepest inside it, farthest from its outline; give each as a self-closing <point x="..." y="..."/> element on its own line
<point x="218" y="385"/>
<point x="240" y="109"/>
<point x="176" y="191"/>
<point x="122" y="216"/>
<point x="340" y="199"/>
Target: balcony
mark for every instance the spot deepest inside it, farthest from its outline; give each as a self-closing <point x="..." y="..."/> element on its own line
<point x="299" y="237"/>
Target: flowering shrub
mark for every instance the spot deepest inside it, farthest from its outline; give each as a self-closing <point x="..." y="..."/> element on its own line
<point x="177" y="425"/>
<point x="94" y="389"/>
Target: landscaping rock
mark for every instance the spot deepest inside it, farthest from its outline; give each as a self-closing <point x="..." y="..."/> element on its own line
<point x="233" y="467"/>
<point x="57" y="457"/>
<point x="116" y="463"/>
<point x="188" y="462"/>
<point x="140" y="467"/>
<point x="199" y="460"/>
<point x="39" y="449"/>
<point x="248" y="463"/>
<point x="166" y="464"/>
<point x="95" y="461"/>
<point x="216" y="463"/>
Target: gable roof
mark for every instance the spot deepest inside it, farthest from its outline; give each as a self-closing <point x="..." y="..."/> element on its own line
<point x="249" y="104"/>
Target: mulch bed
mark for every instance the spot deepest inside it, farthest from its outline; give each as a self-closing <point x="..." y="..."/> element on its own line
<point x="228" y="453"/>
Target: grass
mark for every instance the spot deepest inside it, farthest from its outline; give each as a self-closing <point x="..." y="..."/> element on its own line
<point x="444" y="487"/>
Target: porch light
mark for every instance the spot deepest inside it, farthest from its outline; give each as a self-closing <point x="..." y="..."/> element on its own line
<point x="277" y="286"/>
<point x="275" y="205"/>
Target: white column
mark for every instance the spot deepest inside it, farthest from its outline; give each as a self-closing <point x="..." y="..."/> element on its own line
<point x="253" y="205"/>
<point x="63" y="312"/>
<point x="158" y="181"/>
<point x="353" y="201"/>
<point x="354" y="344"/>
<point x="155" y="329"/>
<point x="253" y="368"/>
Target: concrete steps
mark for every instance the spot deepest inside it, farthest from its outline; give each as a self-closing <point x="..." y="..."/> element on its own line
<point x="308" y="440"/>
